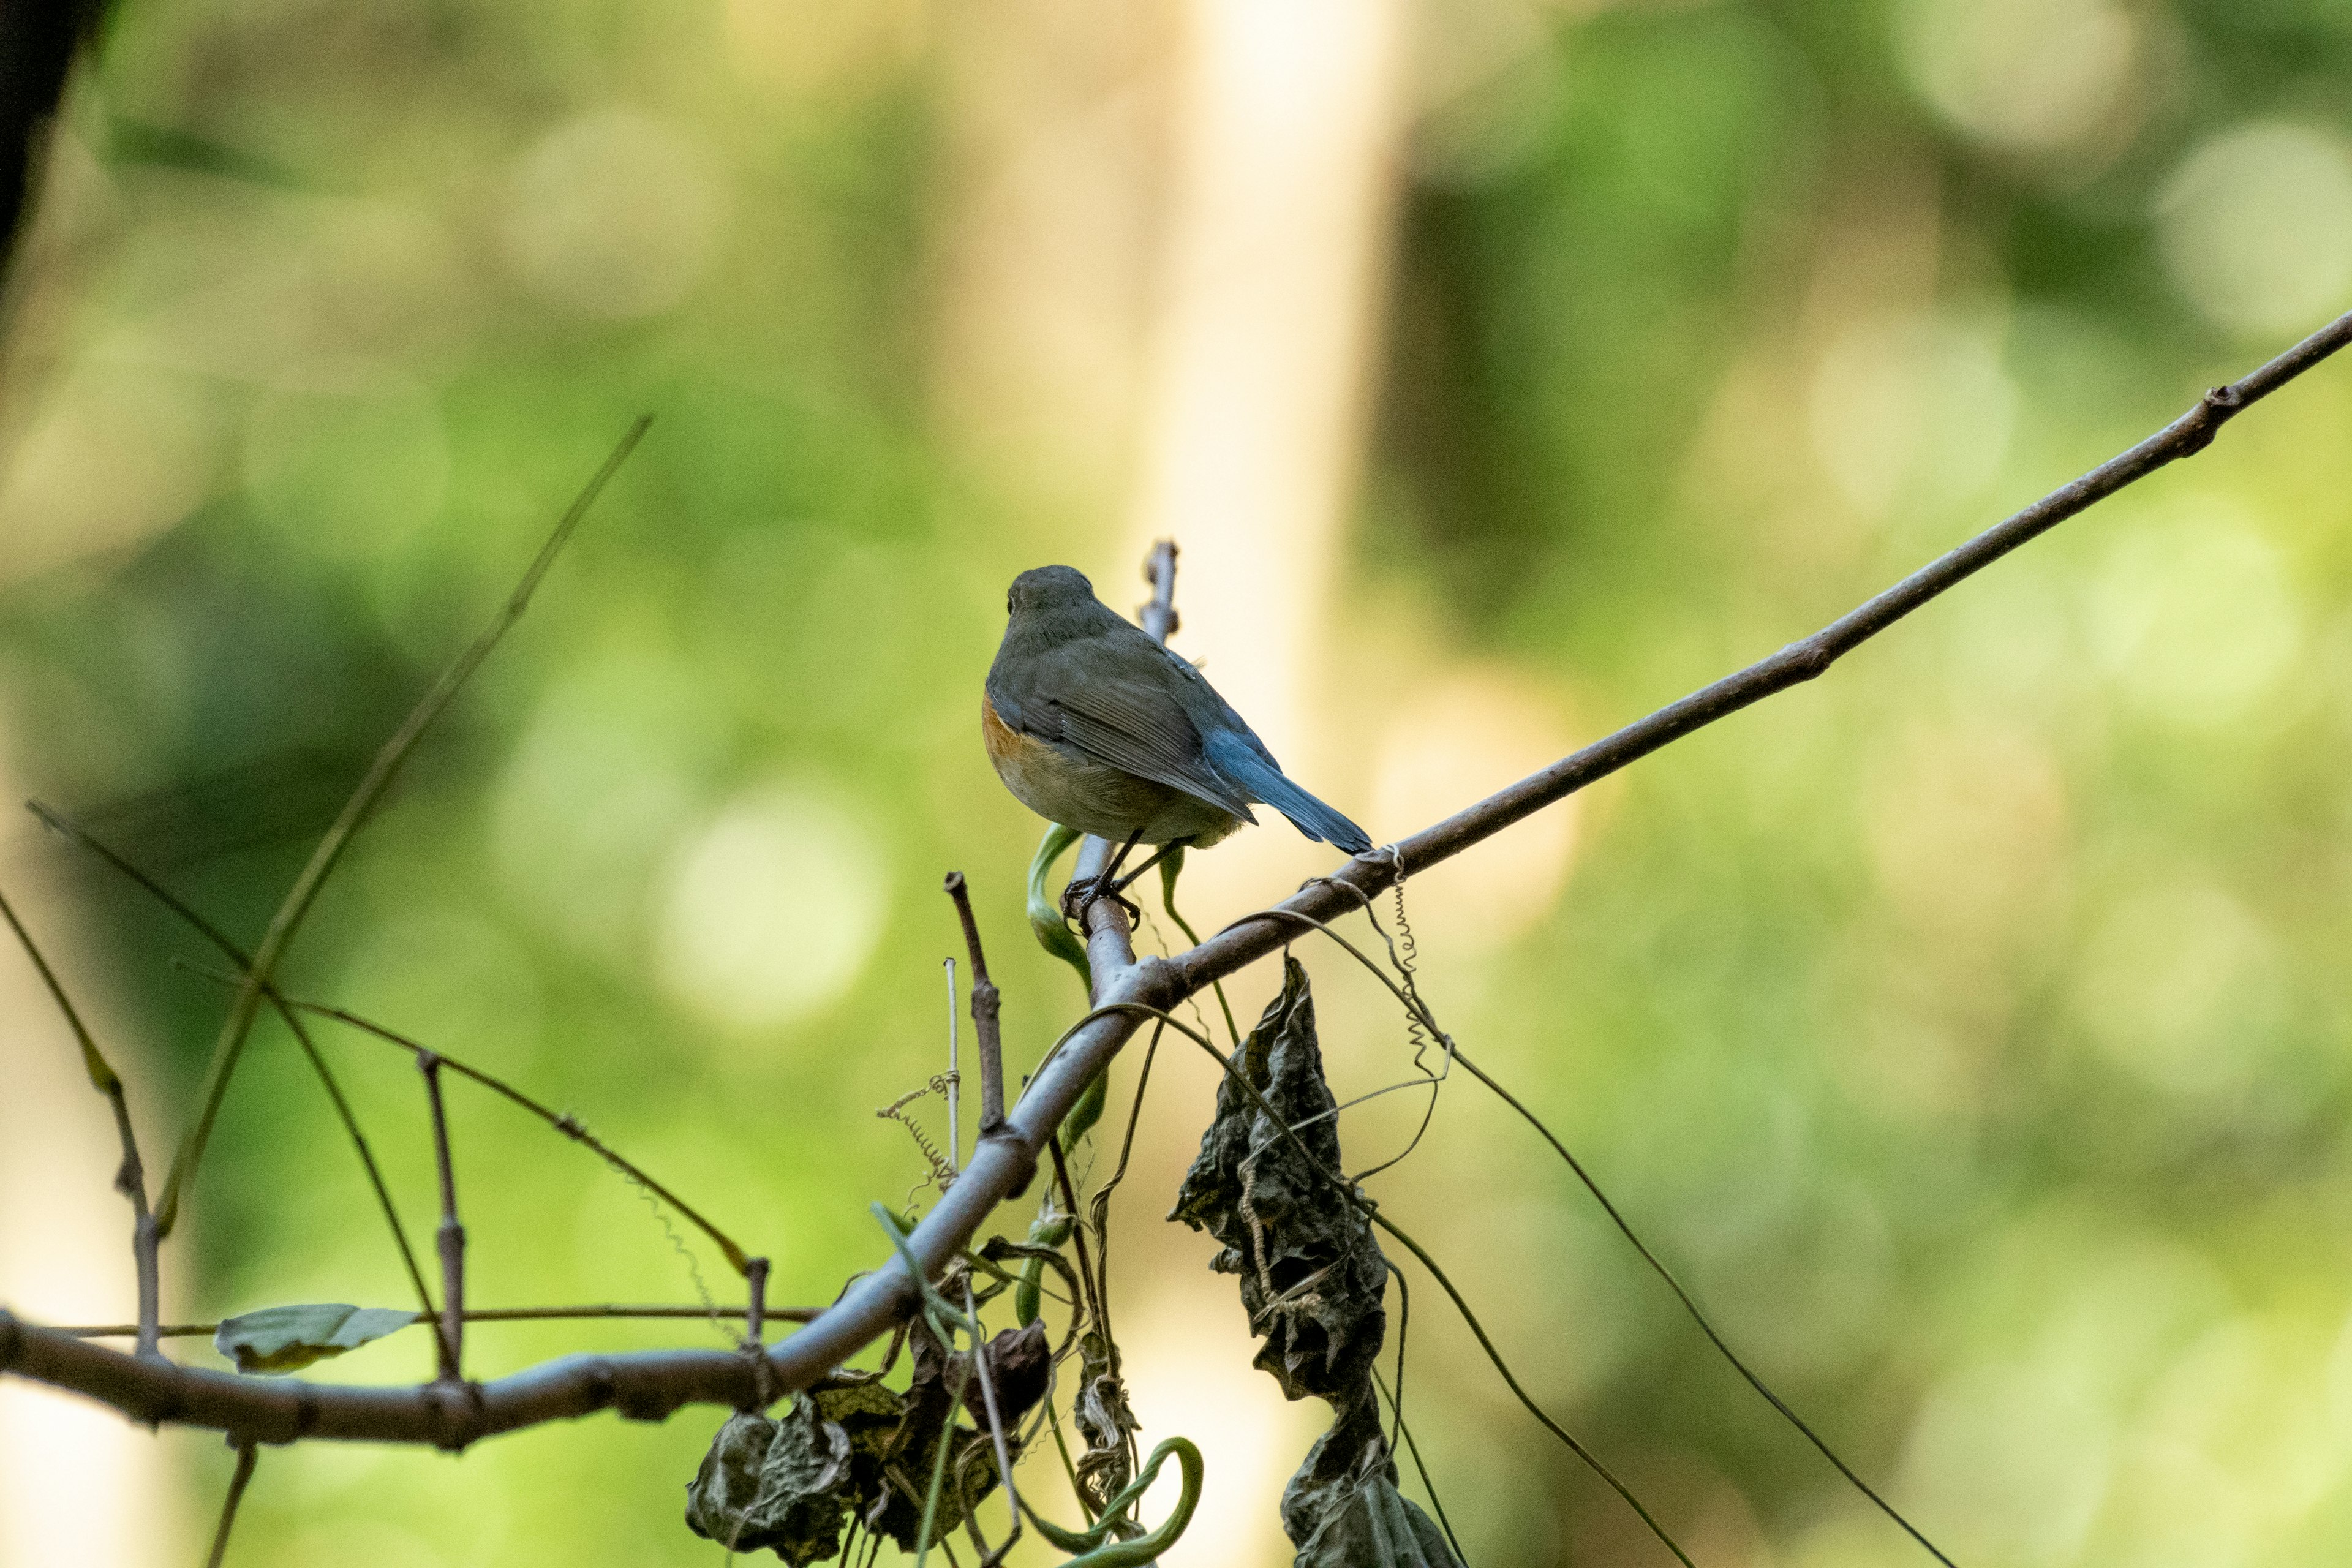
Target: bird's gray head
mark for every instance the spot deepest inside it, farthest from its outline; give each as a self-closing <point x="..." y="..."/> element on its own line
<point x="1047" y="589"/>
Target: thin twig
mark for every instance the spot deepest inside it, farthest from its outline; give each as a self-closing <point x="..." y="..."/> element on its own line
<point x="57" y="822"/>
<point x="452" y="1235"/>
<point x="480" y="1315"/>
<point x="236" y="1485"/>
<point x="995" y="1427"/>
<point x="985" y="1004"/>
<point x="1099" y="1203"/>
<point x="568" y="1125"/>
<point x="1691" y="1306"/>
<point x="652" y="1383"/>
<point x="1591" y="1460"/>
<point x="755" y="1312"/>
<point x="131" y="1176"/>
<point x="1427" y="1485"/>
<point x="370" y="793"/>
<point x="955" y="1076"/>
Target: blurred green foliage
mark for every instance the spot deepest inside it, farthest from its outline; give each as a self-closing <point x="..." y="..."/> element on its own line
<point x="1970" y="1027"/>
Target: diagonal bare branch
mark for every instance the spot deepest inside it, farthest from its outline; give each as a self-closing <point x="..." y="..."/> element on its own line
<point x="365" y="800"/>
<point x="650" y="1385"/>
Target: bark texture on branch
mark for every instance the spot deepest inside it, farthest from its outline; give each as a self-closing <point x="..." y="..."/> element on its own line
<point x="650" y="1385"/>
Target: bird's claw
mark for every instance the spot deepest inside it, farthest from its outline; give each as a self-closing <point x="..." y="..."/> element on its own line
<point x="1084" y="891"/>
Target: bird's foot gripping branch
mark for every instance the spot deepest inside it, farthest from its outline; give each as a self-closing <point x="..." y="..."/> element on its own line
<point x="919" y="1275"/>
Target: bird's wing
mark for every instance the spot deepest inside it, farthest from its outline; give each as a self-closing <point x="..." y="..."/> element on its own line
<point x="1139" y="728"/>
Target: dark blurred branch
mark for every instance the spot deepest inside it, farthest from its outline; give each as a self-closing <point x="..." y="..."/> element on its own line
<point x="57" y="822"/>
<point x="651" y="1386"/>
<point x="356" y="810"/>
<point x="37" y="45"/>
<point x="130" y="1178"/>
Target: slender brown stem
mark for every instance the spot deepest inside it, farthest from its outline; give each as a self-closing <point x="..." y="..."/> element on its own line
<point x="57" y="822"/>
<point x="568" y="1125"/>
<point x="995" y="1426"/>
<point x="985" y="1006"/>
<point x="1129" y="989"/>
<point x="373" y="788"/>
<point x="755" y="1312"/>
<point x="236" y="1485"/>
<point x="483" y="1315"/>
<point x="452" y="1235"/>
<point x="131" y="1176"/>
<point x="1089" y="1281"/>
<point x="1591" y="1460"/>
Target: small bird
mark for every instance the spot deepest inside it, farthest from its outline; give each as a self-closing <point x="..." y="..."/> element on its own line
<point x="1093" y="725"/>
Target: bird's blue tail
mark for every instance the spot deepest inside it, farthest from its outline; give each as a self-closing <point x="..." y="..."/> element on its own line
<point x="1233" y="756"/>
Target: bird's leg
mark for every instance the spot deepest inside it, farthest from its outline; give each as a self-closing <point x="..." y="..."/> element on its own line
<point x="1174" y="846"/>
<point x="1085" y="891"/>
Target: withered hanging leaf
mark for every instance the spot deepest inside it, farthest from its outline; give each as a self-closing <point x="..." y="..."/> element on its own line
<point x="1020" y="1363"/>
<point x="778" y="1485"/>
<point x="1313" y="1279"/>
<point x="787" y="1484"/>
<point x="287" y="1339"/>
<point x="1104" y="1420"/>
<point x="907" y="1459"/>
<point x="1312" y="1275"/>
<point x="1342" y="1509"/>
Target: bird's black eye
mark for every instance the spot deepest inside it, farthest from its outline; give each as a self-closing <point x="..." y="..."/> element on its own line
<point x="1008" y="602"/>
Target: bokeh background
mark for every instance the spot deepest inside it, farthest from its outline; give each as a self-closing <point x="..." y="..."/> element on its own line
<point x="1969" y="1028"/>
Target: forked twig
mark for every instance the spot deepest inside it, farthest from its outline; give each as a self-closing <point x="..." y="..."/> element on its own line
<point x="985" y="1007"/>
<point x="654" y="1383"/>
<point x="65" y="827"/>
<point x="568" y="1125"/>
<point x="372" y="787"/>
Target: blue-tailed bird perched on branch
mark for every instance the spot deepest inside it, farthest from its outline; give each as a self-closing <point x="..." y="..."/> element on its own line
<point x="1093" y="725"/>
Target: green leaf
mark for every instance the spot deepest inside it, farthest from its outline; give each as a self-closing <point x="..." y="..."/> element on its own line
<point x="287" y="1339"/>
<point x="1045" y="920"/>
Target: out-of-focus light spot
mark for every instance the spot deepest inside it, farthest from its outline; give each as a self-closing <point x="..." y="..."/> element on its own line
<point x="1910" y="409"/>
<point x="613" y="215"/>
<point x="2256" y="227"/>
<point x="2179" y="987"/>
<point x="1967" y="824"/>
<point x="809" y="45"/>
<point x="1237" y="1415"/>
<point x="2237" y="1425"/>
<point x="773" y="909"/>
<point x="450" y="979"/>
<point x="119" y="453"/>
<point x="602" y="784"/>
<point x="2013" y="1460"/>
<point x="378" y="1546"/>
<point x="1487" y="85"/>
<point x="1453" y="743"/>
<point x="2192" y="615"/>
<point x="2026" y="76"/>
<point x="350" y="471"/>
